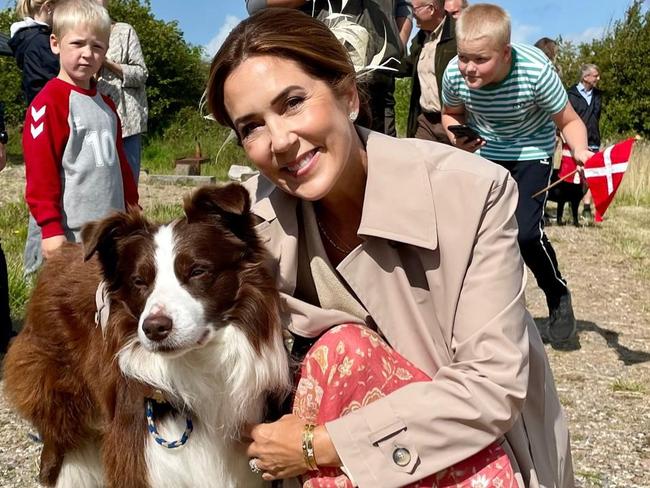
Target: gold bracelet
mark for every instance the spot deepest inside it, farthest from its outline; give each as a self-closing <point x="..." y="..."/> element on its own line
<point x="308" y="447"/>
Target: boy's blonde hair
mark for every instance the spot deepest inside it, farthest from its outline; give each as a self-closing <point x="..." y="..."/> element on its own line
<point x="29" y="8"/>
<point x="484" y="21"/>
<point x="72" y="13"/>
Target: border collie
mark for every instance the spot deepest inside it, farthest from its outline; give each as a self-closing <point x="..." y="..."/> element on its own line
<point x="188" y="315"/>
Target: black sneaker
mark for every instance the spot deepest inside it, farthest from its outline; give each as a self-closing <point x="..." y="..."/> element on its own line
<point x="561" y="321"/>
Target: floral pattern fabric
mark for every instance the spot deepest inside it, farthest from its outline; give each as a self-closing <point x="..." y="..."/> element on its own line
<point x="351" y="366"/>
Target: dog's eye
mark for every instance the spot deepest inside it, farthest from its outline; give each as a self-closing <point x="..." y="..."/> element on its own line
<point x="139" y="282"/>
<point x="198" y="272"/>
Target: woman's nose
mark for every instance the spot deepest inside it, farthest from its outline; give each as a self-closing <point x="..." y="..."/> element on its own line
<point x="282" y="136"/>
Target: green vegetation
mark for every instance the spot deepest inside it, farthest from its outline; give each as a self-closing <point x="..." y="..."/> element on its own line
<point x="621" y="54"/>
<point x="179" y="140"/>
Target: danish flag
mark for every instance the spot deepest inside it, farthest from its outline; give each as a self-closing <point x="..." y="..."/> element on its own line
<point x="604" y="172"/>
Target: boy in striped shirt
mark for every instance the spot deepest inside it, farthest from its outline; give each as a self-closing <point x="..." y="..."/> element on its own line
<point x="511" y="95"/>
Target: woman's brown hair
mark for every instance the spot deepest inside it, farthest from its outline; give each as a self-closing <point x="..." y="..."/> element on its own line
<point x="285" y="33"/>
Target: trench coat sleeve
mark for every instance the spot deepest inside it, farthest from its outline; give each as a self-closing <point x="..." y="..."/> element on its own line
<point x="474" y="400"/>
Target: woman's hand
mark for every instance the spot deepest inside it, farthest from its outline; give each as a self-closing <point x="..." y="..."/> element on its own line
<point x="277" y="448"/>
<point x="50" y="245"/>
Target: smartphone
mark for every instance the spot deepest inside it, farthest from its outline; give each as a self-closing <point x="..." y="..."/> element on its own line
<point x="464" y="131"/>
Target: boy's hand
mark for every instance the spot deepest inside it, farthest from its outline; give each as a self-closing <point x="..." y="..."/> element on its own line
<point x="469" y="145"/>
<point x="50" y="245"/>
<point x="582" y="156"/>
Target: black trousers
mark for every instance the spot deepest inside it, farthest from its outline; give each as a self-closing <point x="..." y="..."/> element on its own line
<point x="381" y="94"/>
<point x="5" y="318"/>
<point x="537" y="251"/>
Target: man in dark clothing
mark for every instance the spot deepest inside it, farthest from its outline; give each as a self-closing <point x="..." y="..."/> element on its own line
<point x="392" y="17"/>
<point x="6" y="331"/>
<point x="30" y="43"/>
<point x="586" y="100"/>
<point x="431" y="50"/>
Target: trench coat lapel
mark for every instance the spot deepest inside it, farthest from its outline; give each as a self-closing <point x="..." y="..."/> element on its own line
<point x="398" y="209"/>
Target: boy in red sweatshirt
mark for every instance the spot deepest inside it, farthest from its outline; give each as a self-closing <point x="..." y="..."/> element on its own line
<point x="75" y="164"/>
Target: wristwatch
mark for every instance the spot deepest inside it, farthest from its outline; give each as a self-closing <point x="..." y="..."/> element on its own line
<point x="4" y="137"/>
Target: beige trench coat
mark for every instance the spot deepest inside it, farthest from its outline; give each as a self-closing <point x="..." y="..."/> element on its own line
<point x="440" y="273"/>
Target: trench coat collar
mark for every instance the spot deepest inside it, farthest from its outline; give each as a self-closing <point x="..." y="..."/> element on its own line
<point x="398" y="203"/>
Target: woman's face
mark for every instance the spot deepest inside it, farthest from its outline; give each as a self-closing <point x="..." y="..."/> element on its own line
<point x="293" y="127"/>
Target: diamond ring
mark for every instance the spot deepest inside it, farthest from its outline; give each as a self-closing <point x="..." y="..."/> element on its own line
<point x="252" y="463"/>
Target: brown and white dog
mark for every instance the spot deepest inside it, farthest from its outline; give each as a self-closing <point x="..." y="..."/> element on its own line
<point x="193" y="314"/>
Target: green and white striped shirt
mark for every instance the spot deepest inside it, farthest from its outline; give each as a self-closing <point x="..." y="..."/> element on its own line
<point x="513" y="116"/>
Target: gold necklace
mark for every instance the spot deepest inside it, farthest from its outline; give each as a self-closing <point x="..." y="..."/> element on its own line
<point x="330" y="240"/>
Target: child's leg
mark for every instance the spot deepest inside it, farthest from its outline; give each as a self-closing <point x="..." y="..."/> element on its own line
<point x="351" y="366"/>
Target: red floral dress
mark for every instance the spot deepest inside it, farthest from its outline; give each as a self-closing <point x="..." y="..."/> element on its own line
<point x="351" y="366"/>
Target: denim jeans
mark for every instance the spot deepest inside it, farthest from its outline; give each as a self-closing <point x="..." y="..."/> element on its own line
<point x="133" y="150"/>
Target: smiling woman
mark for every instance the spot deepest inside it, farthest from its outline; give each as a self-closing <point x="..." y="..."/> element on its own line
<point x="401" y="278"/>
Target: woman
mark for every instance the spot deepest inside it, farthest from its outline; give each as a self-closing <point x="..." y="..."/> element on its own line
<point x="123" y="78"/>
<point x="418" y="241"/>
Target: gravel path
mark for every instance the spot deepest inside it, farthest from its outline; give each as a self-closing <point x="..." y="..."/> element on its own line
<point x="604" y="380"/>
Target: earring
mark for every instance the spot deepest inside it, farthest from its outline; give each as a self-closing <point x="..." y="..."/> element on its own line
<point x="353" y="115"/>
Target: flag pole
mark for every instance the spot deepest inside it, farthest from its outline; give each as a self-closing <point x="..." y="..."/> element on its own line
<point x="568" y="175"/>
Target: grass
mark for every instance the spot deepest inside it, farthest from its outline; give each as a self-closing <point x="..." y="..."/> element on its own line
<point x="620" y="385"/>
<point x="180" y="140"/>
<point x="635" y="187"/>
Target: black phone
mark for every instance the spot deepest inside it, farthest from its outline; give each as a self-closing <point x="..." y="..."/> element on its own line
<point x="464" y="131"/>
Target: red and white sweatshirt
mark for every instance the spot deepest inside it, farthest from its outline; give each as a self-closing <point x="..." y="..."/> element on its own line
<point x="76" y="167"/>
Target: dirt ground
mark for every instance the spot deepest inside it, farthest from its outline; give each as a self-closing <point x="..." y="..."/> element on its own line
<point x="603" y="379"/>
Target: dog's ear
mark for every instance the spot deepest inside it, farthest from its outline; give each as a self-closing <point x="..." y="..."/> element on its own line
<point x="100" y="236"/>
<point x="217" y="201"/>
<point x="228" y="205"/>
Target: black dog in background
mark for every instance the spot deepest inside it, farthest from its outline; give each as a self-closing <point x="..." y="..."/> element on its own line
<point x="566" y="192"/>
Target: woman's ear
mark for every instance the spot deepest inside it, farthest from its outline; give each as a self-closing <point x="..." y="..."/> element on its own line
<point x="351" y="95"/>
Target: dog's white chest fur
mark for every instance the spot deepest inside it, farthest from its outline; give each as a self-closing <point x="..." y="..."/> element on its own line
<point x="205" y="461"/>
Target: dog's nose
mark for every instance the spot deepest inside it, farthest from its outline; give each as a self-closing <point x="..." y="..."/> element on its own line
<point x="157" y="327"/>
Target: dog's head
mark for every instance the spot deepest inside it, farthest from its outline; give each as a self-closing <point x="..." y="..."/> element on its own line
<point x="184" y="280"/>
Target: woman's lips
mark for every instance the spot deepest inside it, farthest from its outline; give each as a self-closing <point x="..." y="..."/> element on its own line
<point x="305" y="164"/>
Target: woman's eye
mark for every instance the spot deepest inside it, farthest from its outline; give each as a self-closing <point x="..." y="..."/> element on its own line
<point x="293" y="102"/>
<point x="246" y="130"/>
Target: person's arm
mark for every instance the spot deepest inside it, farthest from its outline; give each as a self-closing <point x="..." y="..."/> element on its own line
<point x="253" y="6"/>
<point x="130" y="188"/>
<point x="404" y="21"/>
<point x="551" y="96"/>
<point x="133" y="71"/>
<point x="44" y="138"/>
<point x="575" y="133"/>
<point x="453" y="110"/>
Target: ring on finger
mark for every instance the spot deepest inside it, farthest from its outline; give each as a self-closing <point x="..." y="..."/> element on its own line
<point x="252" y="463"/>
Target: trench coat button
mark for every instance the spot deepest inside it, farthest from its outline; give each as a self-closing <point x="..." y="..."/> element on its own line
<point x="401" y="456"/>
